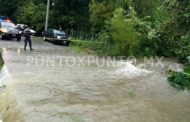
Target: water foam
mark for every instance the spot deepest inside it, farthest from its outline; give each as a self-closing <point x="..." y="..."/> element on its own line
<point x="129" y="70"/>
<point x="4" y="73"/>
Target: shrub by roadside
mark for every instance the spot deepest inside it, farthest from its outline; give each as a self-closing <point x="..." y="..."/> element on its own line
<point x="180" y="80"/>
<point x="1" y="61"/>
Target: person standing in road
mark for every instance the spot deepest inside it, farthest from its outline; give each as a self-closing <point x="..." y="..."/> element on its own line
<point x="27" y="35"/>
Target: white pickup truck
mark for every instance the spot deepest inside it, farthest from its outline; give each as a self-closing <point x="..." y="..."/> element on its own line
<point x="8" y="30"/>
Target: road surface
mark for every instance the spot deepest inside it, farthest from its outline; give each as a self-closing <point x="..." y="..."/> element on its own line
<point x="55" y="84"/>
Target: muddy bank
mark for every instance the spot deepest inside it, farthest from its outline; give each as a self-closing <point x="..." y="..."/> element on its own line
<point x="9" y="109"/>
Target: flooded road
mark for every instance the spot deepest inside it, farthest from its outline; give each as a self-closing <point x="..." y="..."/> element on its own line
<point x="50" y="87"/>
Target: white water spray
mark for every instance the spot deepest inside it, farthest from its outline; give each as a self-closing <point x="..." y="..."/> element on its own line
<point x="129" y="70"/>
<point x="4" y="73"/>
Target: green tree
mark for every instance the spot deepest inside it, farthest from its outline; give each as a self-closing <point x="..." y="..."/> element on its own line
<point x="33" y="15"/>
<point x="146" y="7"/>
<point x="122" y="28"/>
<point x="176" y="29"/>
<point x="9" y="7"/>
<point x="71" y="14"/>
<point x="101" y="11"/>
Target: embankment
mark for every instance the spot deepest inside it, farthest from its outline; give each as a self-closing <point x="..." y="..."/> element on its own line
<point x="9" y="110"/>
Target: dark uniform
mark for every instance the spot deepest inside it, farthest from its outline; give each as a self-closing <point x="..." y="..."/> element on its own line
<point x="27" y="35"/>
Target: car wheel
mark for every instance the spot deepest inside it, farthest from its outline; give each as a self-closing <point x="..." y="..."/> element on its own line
<point x="64" y="43"/>
<point x="3" y="37"/>
<point x="44" y="38"/>
<point x="18" y="38"/>
<point x="67" y="43"/>
<point x="54" y="42"/>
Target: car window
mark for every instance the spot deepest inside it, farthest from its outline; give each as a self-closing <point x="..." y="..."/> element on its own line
<point x="8" y="25"/>
<point x="50" y="31"/>
<point x="59" y="32"/>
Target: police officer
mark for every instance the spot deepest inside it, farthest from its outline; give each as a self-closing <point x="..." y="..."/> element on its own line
<point x="27" y="35"/>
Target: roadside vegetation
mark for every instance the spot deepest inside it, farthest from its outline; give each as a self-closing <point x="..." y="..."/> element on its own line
<point x="116" y="27"/>
<point x="180" y="80"/>
<point x="133" y="27"/>
<point x="1" y="61"/>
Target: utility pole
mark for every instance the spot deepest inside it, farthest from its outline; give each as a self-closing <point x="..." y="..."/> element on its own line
<point x="47" y="15"/>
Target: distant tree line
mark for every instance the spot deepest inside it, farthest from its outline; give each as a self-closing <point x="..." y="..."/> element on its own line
<point x="72" y="14"/>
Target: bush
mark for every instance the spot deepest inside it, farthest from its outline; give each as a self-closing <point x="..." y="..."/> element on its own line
<point x="184" y="51"/>
<point x="180" y="80"/>
<point x="1" y="60"/>
<point x="120" y="36"/>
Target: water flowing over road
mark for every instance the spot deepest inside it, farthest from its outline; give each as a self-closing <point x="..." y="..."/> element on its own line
<point x="50" y="85"/>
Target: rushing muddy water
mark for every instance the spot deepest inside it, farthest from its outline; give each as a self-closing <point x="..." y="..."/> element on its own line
<point x="3" y="75"/>
<point x="50" y="91"/>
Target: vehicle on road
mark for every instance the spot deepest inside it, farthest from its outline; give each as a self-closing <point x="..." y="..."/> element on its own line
<point x="56" y="37"/>
<point x="22" y="27"/>
<point x="8" y="30"/>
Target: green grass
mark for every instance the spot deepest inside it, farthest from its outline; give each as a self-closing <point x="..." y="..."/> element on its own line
<point x="87" y="46"/>
<point x="78" y="49"/>
<point x="96" y="47"/>
<point x="187" y="68"/>
<point x="37" y="38"/>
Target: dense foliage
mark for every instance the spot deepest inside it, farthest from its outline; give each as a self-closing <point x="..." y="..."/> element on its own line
<point x="66" y="14"/>
<point x="180" y="80"/>
<point x="32" y="14"/>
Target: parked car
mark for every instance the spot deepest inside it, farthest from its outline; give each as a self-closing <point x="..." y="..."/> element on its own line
<point x="56" y="37"/>
<point x="8" y="30"/>
<point x="22" y="27"/>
